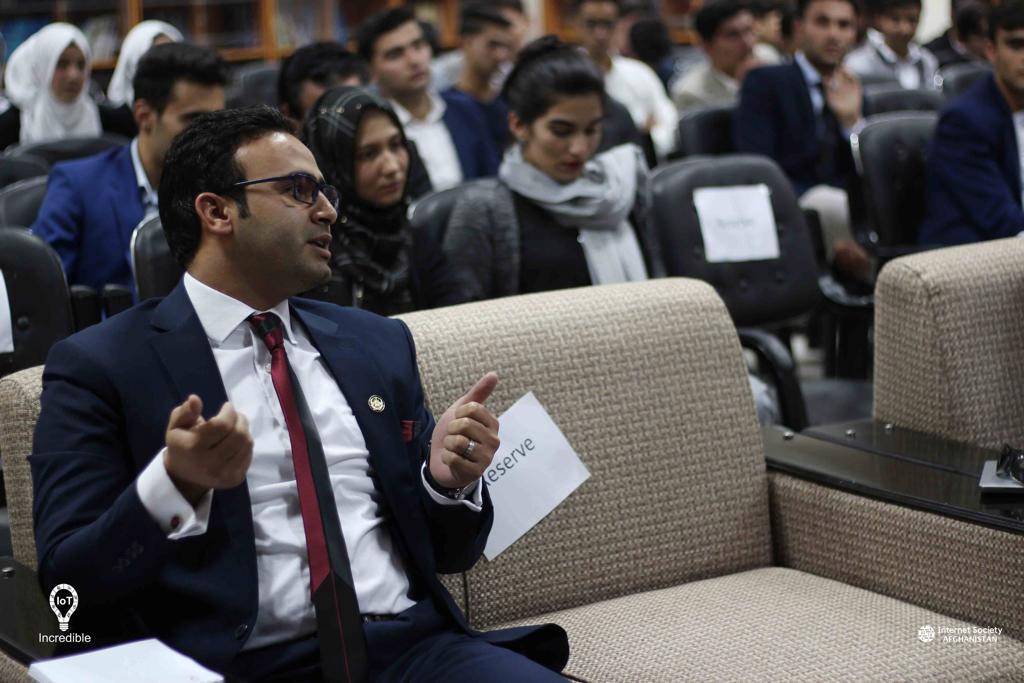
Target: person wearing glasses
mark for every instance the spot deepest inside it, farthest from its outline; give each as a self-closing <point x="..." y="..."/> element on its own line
<point x="251" y="476"/>
<point x="378" y="261"/>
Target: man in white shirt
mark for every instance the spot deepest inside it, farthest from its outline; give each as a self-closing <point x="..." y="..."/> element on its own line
<point x="890" y="53"/>
<point x="450" y="133"/>
<point x="629" y="81"/>
<point x="192" y="452"/>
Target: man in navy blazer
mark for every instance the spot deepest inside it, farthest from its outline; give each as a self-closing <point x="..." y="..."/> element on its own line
<point x="974" y="158"/>
<point x="92" y="205"/>
<point x="161" y="523"/>
<point x="450" y="132"/>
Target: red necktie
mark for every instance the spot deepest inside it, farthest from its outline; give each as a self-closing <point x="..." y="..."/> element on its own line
<point x="339" y="624"/>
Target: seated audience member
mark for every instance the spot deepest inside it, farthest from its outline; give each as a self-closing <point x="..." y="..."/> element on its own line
<point x="45" y="80"/>
<point x="487" y="44"/>
<point x="769" y="18"/>
<point x="450" y="132"/>
<point x="967" y="38"/>
<point x="311" y="71"/>
<point x="800" y="115"/>
<point x="143" y="36"/>
<point x="446" y="69"/>
<point x="378" y="261"/>
<point x="277" y="524"/>
<point x="651" y="44"/>
<point x="629" y="81"/>
<point x="726" y="30"/>
<point x="92" y="205"/>
<point x="890" y="52"/>
<point x="557" y="216"/>
<point x="976" y="156"/>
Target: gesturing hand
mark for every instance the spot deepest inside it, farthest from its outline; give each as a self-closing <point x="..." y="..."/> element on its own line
<point x="453" y="464"/>
<point x="845" y="97"/>
<point x="206" y="454"/>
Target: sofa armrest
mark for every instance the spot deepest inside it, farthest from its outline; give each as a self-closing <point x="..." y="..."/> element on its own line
<point x="955" y="567"/>
<point x="26" y="620"/>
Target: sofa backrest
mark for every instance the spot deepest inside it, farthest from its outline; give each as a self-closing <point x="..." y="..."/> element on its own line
<point x="19" y="409"/>
<point x="647" y="382"/>
<point x="949" y="345"/>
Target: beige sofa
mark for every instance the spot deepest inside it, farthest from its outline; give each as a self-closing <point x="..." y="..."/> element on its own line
<point x="681" y="558"/>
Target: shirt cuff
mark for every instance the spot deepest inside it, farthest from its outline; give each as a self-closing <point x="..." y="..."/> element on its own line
<point x="163" y="501"/>
<point x="473" y="495"/>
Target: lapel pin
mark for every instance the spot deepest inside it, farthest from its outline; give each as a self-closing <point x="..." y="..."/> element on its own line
<point x="376" y="404"/>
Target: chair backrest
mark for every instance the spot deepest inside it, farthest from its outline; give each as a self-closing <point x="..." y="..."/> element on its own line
<point x="37" y="292"/>
<point x="14" y="169"/>
<point x="432" y="211"/>
<point x="647" y="382"/>
<point x="156" y="270"/>
<point x="20" y="201"/>
<point x="706" y="131"/>
<point x="254" y="86"/>
<point x="755" y="292"/>
<point x="19" y="410"/>
<point x="52" y="151"/>
<point x="954" y="79"/>
<point x="890" y="156"/>
<point x="948" y="345"/>
<point x="882" y="99"/>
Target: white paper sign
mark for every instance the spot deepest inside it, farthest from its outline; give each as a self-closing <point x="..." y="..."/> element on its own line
<point x="6" y="329"/>
<point x="144" y="660"/>
<point x="534" y="470"/>
<point x="737" y="223"/>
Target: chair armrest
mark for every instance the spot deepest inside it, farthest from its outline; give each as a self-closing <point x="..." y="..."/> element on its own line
<point x="965" y="570"/>
<point x="86" y="308"/>
<point x="116" y="298"/>
<point x="842" y="301"/>
<point x="775" y="359"/>
<point x="26" y="617"/>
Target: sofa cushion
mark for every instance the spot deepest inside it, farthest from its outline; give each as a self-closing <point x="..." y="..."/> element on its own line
<point x="775" y="624"/>
<point x="648" y="384"/>
<point x="19" y="409"/>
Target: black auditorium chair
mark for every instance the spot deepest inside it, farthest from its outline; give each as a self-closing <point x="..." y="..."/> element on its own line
<point x="763" y="296"/>
<point x="254" y="86"/>
<point x="705" y="131"/>
<point x="882" y="99"/>
<point x="20" y="202"/>
<point x="155" y="268"/>
<point x="890" y="156"/>
<point x="40" y="305"/>
<point x="954" y="79"/>
<point x="21" y="168"/>
<point x="53" y="151"/>
<point x="432" y="211"/>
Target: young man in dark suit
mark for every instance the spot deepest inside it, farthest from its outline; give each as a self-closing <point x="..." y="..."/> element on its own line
<point x="974" y="159"/>
<point x="92" y="205"/>
<point x="801" y="114"/>
<point x="253" y="478"/>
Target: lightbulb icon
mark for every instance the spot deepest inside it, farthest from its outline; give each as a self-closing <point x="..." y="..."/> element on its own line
<point x="63" y="605"/>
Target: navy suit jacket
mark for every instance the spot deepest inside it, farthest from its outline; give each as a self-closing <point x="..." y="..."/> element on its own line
<point x="974" y="184"/>
<point x="107" y="394"/>
<point x="775" y="118"/>
<point x="91" y="207"/>
<point x="478" y="155"/>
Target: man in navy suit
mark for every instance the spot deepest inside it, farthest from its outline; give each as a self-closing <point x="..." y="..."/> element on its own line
<point x="165" y="487"/>
<point x="801" y="114"/>
<point x="450" y="132"/>
<point x="974" y="159"/>
<point x="92" y="205"/>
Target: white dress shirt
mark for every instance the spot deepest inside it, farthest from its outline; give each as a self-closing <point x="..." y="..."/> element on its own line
<point x="910" y="70"/>
<point x="434" y="141"/>
<point x="638" y="88"/>
<point x="285" y="606"/>
<point x="150" y="201"/>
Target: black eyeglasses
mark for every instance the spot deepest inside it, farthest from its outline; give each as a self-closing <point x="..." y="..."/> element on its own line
<point x="305" y="188"/>
<point x="1011" y="463"/>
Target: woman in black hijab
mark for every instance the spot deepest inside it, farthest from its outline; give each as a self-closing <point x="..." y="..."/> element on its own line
<point x="379" y="263"/>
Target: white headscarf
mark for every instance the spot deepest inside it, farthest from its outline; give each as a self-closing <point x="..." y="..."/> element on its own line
<point x="28" y="79"/>
<point x="136" y="43"/>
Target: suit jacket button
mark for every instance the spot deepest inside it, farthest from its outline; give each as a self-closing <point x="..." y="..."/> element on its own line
<point x="241" y="631"/>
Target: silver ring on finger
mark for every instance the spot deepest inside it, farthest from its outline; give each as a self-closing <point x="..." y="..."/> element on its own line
<point x="469" y="449"/>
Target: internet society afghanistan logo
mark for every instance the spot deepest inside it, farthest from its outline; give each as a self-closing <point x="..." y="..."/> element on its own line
<point x="63" y="602"/>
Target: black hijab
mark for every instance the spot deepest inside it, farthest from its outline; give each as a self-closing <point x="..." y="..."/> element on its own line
<point x="371" y="245"/>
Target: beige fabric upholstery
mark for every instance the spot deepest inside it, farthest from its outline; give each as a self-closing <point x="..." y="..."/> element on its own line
<point x="953" y="567"/>
<point x="647" y="383"/>
<point x="19" y="409"/>
<point x="773" y="624"/>
<point x="949" y="357"/>
<point x="12" y="671"/>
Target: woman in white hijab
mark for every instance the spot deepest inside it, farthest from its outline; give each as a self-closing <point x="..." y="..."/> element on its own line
<point x="46" y="79"/>
<point x="143" y="36"/>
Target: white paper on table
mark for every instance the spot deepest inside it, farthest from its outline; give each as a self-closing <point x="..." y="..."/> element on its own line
<point x="737" y="223"/>
<point x="6" y="328"/>
<point x="143" y="660"/>
<point x="534" y="470"/>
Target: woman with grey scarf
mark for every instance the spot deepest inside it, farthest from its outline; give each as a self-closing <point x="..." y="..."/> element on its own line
<point x="556" y="216"/>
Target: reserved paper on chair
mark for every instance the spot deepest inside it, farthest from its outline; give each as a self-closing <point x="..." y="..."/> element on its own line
<point x="534" y="470"/>
<point x="6" y="329"/>
<point x="737" y="223"/>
